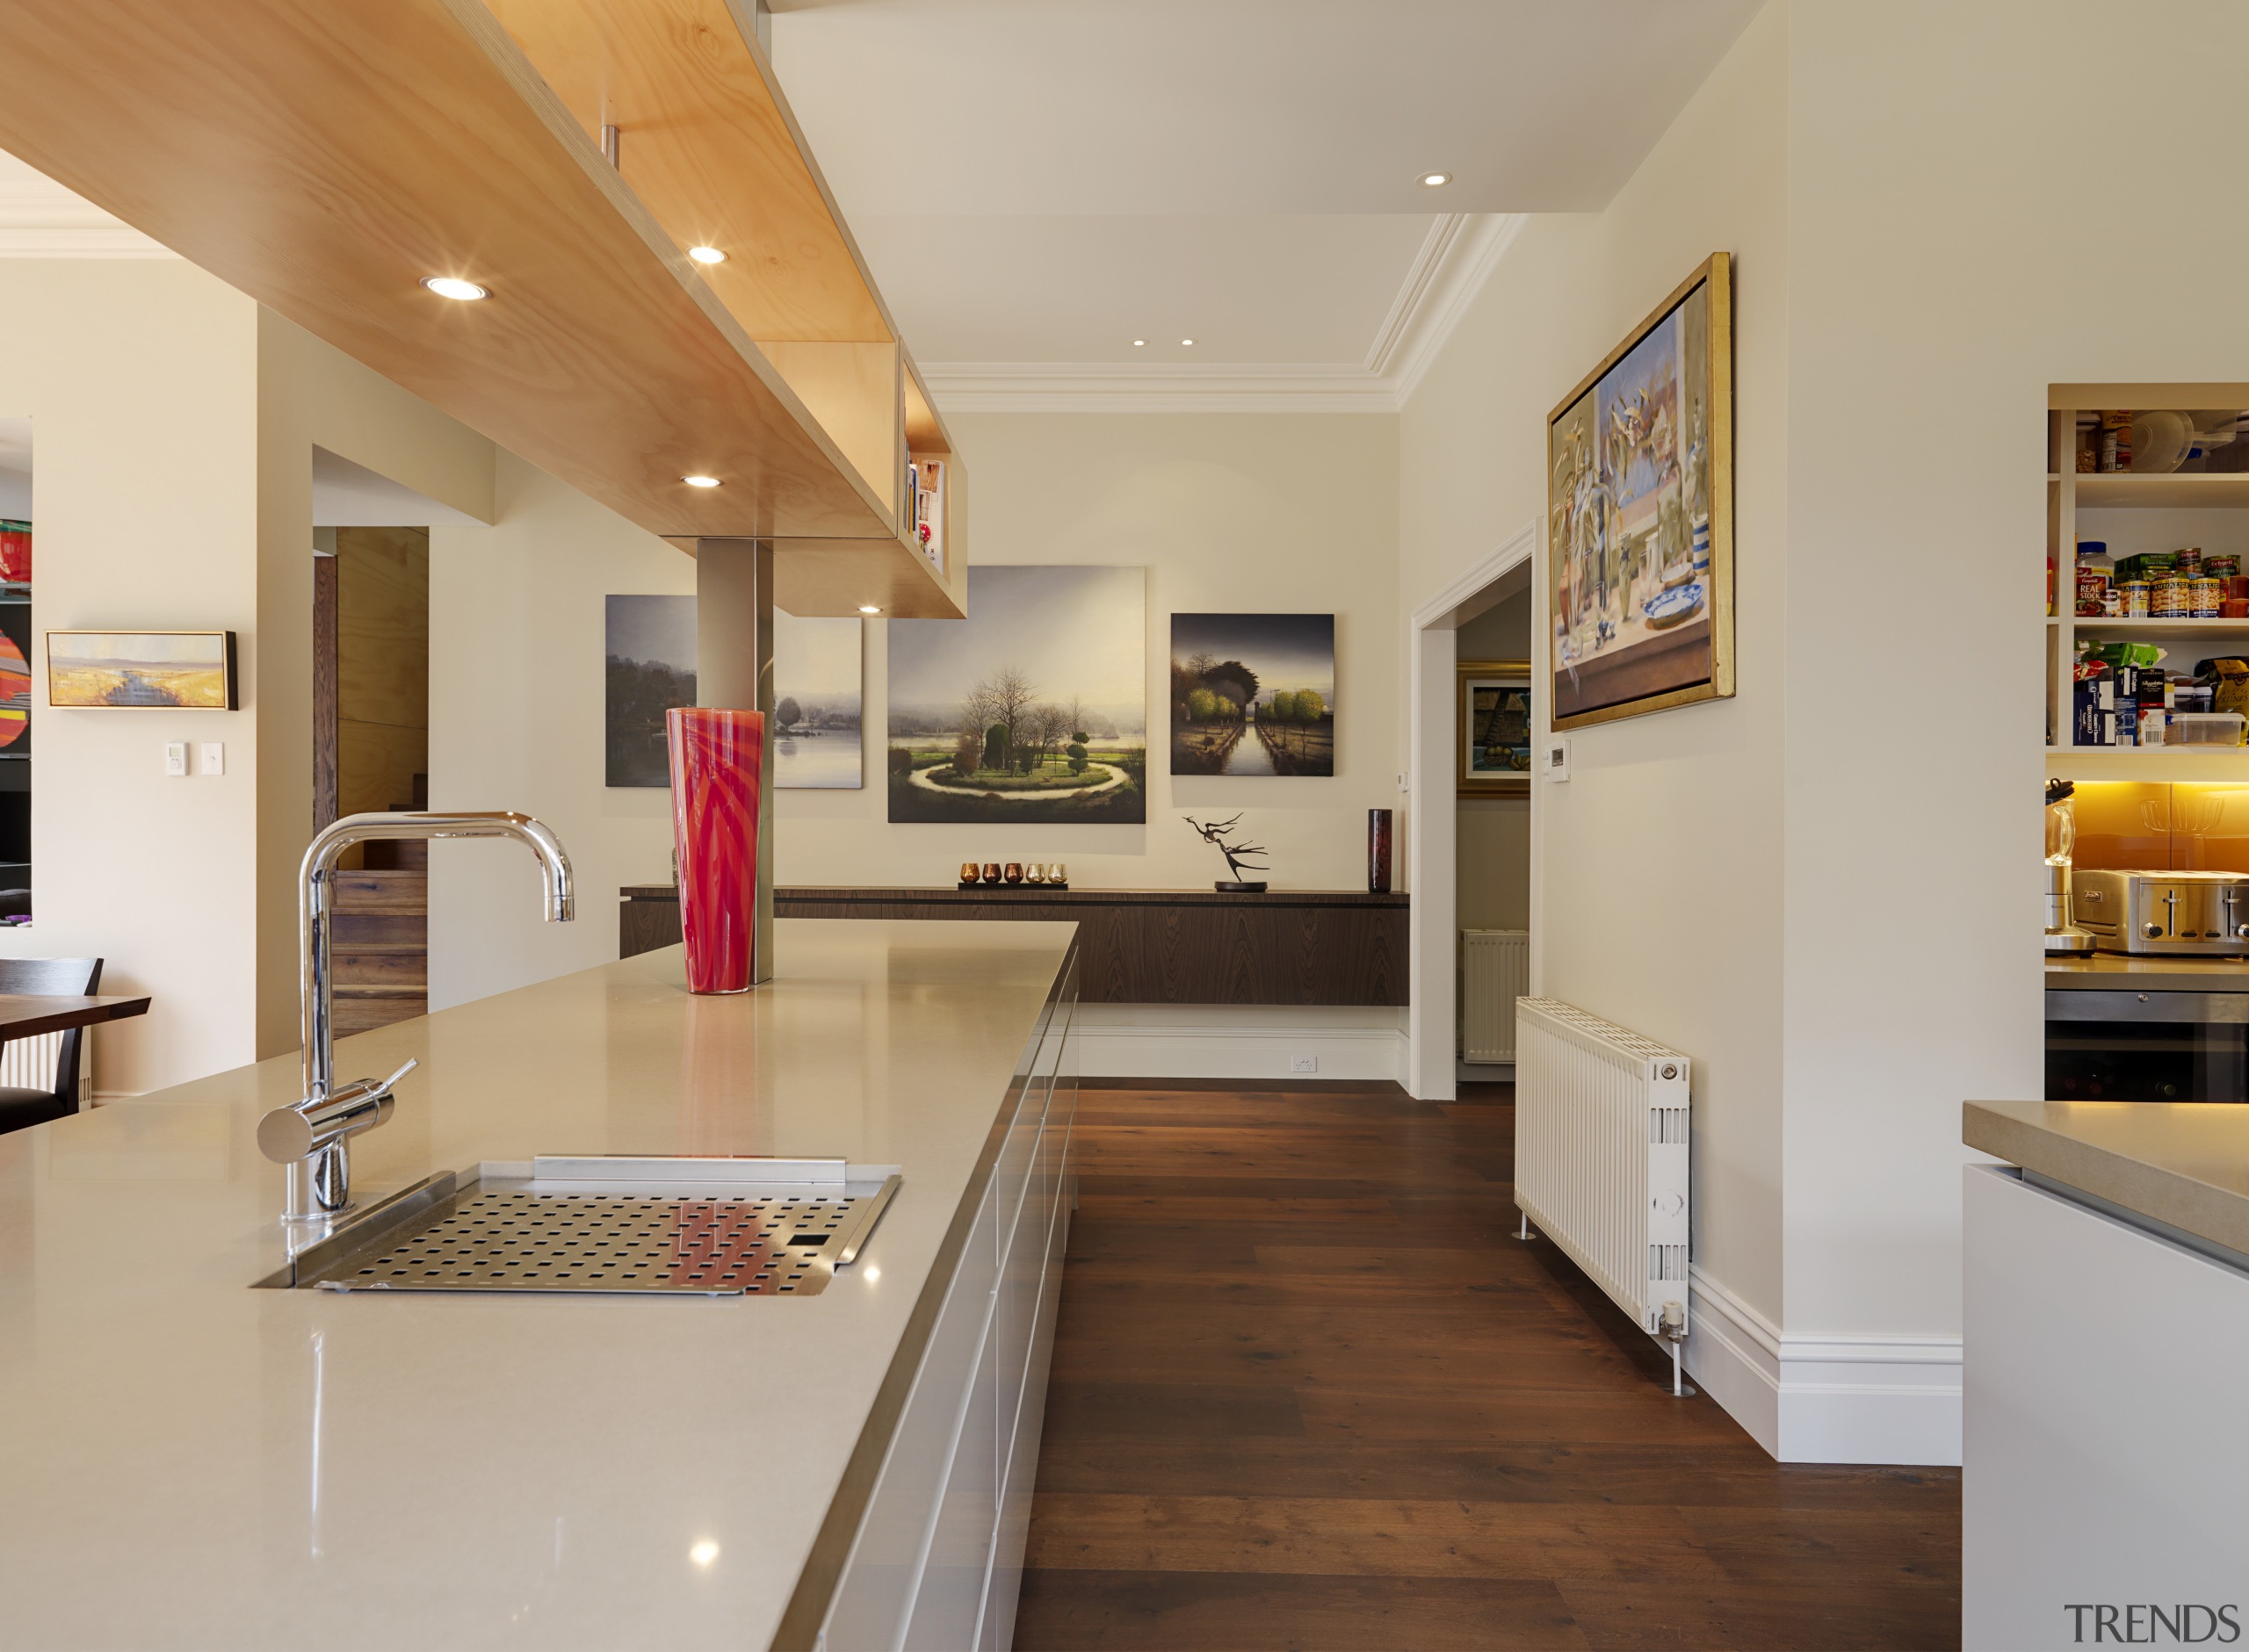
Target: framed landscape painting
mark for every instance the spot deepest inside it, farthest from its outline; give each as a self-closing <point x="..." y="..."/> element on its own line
<point x="1494" y="722"/>
<point x="1639" y="564"/>
<point x="163" y="670"/>
<point x="1033" y="710"/>
<point x="1253" y="694"/>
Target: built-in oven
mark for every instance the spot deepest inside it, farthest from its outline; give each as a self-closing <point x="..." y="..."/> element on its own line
<point x="2125" y="1044"/>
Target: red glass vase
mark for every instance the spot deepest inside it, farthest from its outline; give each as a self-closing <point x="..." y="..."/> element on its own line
<point x="715" y="757"/>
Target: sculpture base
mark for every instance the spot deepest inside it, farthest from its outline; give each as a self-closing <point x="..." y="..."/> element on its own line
<point x="1238" y="888"/>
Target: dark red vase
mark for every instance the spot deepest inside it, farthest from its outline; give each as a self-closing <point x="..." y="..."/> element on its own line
<point x="716" y="756"/>
<point x="1378" y="851"/>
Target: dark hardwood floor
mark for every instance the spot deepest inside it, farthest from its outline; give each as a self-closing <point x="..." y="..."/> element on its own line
<point x="1310" y="1391"/>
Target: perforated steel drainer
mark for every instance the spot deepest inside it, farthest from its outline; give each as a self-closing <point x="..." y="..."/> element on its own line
<point x="531" y="1235"/>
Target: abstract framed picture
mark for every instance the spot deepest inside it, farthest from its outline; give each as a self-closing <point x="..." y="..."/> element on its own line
<point x="146" y="670"/>
<point x="1253" y="694"/>
<point x="1639" y="517"/>
<point x="1494" y="723"/>
<point x="1033" y="710"/>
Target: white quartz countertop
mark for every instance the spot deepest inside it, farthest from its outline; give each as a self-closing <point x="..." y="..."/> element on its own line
<point x="187" y="1462"/>
<point x="2182" y="1164"/>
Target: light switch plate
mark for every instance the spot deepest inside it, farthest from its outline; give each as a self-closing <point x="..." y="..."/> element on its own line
<point x="214" y="759"/>
<point x="176" y="757"/>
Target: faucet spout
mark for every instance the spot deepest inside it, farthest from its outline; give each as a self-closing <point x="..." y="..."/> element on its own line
<point x="319" y="1182"/>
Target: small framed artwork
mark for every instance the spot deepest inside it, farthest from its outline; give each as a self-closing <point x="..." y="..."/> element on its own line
<point x="1494" y="728"/>
<point x="151" y="670"/>
<point x="1640" y="553"/>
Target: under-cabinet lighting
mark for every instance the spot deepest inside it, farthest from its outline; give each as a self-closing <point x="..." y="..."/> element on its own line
<point x="700" y="481"/>
<point x="1435" y="180"/>
<point x="869" y="608"/>
<point x="706" y="255"/>
<point x="454" y="288"/>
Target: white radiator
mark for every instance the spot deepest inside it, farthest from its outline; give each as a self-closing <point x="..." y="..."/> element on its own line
<point x="1494" y="971"/>
<point x="30" y="1063"/>
<point x="1601" y="1155"/>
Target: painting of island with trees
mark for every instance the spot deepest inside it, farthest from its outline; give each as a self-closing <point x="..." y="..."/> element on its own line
<point x="1033" y="708"/>
<point x="1253" y="694"/>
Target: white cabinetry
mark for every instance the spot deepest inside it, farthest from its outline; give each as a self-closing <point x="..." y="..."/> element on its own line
<point x="938" y="1561"/>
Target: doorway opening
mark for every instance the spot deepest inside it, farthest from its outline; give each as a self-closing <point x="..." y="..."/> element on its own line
<point x="371" y="749"/>
<point x="1467" y="859"/>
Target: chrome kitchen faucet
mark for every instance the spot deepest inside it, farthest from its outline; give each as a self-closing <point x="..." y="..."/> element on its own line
<point x="313" y="1138"/>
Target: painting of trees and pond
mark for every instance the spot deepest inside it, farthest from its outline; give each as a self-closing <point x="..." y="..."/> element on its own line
<point x="1253" y="694"/>
<point x="651" y="668"/>
<point x="1033" y="708"/>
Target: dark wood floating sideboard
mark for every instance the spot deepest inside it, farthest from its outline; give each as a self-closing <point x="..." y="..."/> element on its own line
<point x="1139" y="946"/>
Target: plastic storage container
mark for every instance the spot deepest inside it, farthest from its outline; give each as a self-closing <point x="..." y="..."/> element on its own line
<point x="2205" y="728"/>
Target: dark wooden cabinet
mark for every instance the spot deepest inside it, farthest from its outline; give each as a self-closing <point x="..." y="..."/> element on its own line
<point x="1155" y="946"/>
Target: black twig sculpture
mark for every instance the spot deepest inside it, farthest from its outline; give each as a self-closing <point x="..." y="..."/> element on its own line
<point x="1237" y="853"/>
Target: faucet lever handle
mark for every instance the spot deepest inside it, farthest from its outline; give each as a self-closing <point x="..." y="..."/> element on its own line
<point x="391" y="1083"/>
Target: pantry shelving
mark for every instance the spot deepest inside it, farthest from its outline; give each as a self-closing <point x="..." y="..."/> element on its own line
<point x="2202" y="508"/>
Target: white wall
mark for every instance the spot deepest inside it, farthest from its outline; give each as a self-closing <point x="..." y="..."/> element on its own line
<point x="1229" y="513"/>
<point x="1944" y="254"/>
<point x="1657" y="870"/>
<point x="141" y="378"/>
<point x="516" y="636"/>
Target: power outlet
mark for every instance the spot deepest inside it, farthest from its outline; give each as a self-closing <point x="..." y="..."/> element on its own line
<point x="1303" y="1064"/>
<point x="214" y="757"/>
<point x="175" y="758"/>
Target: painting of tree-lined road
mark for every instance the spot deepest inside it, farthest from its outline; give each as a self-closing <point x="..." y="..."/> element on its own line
<point x="1253" y="694"/>
<point x="1033" y="708"/>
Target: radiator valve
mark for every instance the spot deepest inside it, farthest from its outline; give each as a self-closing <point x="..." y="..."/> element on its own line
<point x="1673" y="1321"/>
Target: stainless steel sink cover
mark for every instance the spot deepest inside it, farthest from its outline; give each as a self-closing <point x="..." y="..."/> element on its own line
<point x="723" y="1227"/>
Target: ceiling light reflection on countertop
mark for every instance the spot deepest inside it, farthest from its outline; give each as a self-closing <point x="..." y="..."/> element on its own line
<point x="700" y="481"/>
<point x="454" y="288"/>
<point x="706" y="255"/>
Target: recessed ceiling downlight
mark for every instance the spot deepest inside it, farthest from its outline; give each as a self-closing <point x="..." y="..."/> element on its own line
<point x="1187" y="341"/>
<point x="1139" y="343"/>
<point x="454" y="288"/>
<point x="706" y="255"/>
<point x="869" y="608"/>
<point x="700" y="481"/>
<point x="1435" y="180"/>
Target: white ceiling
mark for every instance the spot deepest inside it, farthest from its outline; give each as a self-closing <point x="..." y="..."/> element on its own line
<point x="1037" y="182"/>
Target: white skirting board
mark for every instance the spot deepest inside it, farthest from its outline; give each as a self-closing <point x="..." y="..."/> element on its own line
<point x="1825" y="1396"/>
<point x="1210" y="1041"/>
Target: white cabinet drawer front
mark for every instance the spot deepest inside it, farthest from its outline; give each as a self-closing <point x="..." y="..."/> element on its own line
<point x="876" y="1593"/>
<point x="949" y="1604"/>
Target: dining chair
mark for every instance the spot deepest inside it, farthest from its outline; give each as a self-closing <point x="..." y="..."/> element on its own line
<point x="72" y="977"/>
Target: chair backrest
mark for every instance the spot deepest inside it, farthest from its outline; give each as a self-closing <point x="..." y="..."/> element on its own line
<point x="62" y="978"/>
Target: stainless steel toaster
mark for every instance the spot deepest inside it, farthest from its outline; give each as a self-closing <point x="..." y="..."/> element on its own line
<point x="2204" y="915"/>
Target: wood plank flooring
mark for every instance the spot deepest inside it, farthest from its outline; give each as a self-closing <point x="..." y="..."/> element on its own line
<point x="1310" y="1392"/>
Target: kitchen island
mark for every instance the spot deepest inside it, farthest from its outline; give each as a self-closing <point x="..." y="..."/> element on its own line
<point x="190" y="1462"/>
<point x="2106" y="1465"/>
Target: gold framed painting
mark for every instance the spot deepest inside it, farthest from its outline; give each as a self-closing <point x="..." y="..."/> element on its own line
<point x="1494" y="723"/>
<point x="1639" y="515"/>
<point x="150" y="670"/>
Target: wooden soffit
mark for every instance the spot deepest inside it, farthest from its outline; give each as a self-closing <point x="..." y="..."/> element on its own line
<point x="323" y="158"/>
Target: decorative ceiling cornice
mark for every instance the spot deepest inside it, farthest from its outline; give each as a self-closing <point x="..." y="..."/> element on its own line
<point x="39" y="219"/>
<point x="1454" y="260"/>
